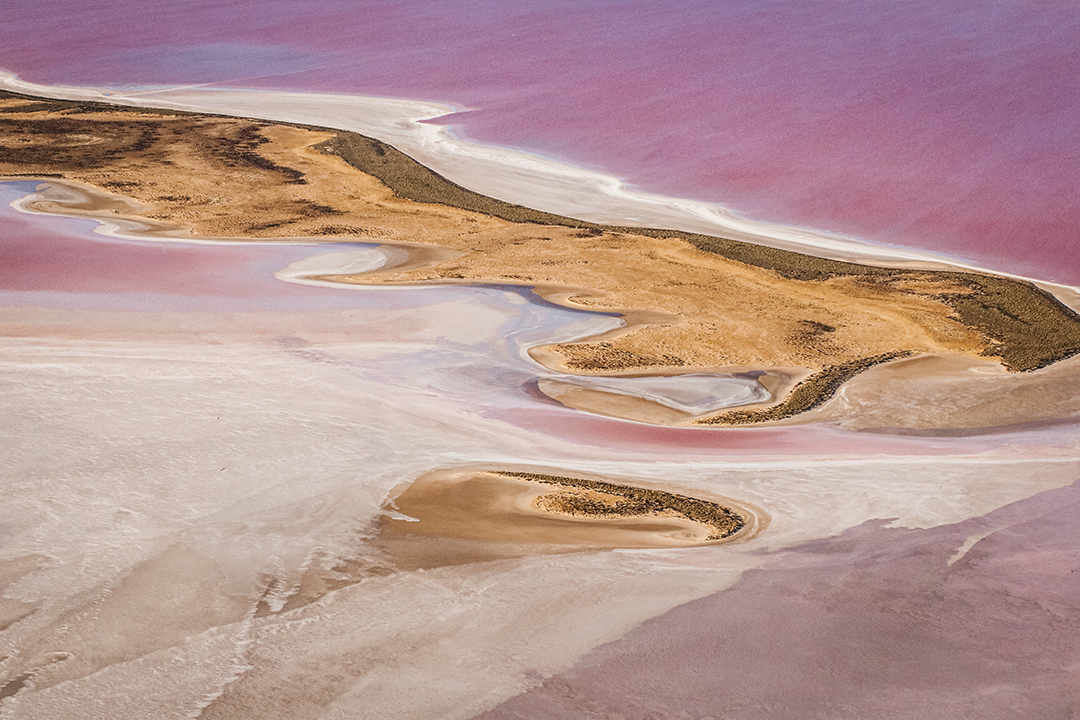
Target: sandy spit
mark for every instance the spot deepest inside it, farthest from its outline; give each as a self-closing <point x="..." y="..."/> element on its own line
<point x="509" y="175"/>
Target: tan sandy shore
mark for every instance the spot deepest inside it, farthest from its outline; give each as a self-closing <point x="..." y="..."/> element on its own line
<point x="691" y="303"/>
<point x="953" y="395"/>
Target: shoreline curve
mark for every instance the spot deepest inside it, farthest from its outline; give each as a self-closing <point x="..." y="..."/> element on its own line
<point x="513" y="176"/>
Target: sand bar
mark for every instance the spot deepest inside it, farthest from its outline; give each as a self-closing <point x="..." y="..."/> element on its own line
<point x="664" y="400"/>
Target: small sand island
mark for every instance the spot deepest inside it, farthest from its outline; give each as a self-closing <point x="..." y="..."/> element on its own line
<point x="692" y="303"/>
<point x="456" y="516"/>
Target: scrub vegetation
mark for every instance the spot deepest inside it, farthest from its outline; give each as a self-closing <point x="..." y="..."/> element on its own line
<point x="596" y="498"/>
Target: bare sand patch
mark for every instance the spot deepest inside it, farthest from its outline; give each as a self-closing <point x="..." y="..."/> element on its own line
<point x="601" y="402"/>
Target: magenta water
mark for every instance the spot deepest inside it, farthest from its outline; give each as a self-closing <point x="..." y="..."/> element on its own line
<point x="950" y="126"/>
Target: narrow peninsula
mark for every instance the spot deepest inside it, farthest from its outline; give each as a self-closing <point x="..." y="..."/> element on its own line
<point x="692" y="302"/>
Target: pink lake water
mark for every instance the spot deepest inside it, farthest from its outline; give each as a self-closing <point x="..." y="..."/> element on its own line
<point x="947" y="126"/>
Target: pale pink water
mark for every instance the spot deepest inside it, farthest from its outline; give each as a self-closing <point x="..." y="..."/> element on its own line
<point x="950" y="126"/>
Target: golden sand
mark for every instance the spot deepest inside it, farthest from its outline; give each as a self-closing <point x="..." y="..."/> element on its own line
<point x="687" y="309"/>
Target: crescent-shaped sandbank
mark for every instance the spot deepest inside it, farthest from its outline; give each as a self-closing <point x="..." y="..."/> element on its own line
<point x="461" y="515"/>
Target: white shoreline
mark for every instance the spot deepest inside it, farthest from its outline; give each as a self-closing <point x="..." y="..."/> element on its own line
<point x="512" y="175"/>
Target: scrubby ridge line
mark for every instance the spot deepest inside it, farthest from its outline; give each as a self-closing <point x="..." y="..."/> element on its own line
<point x="641" y="501"/>
<point x="807" y="395"/>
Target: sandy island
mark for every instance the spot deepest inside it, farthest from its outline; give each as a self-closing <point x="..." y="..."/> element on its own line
<point x="457" y="516"/>
<point x="692" y="303"/>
